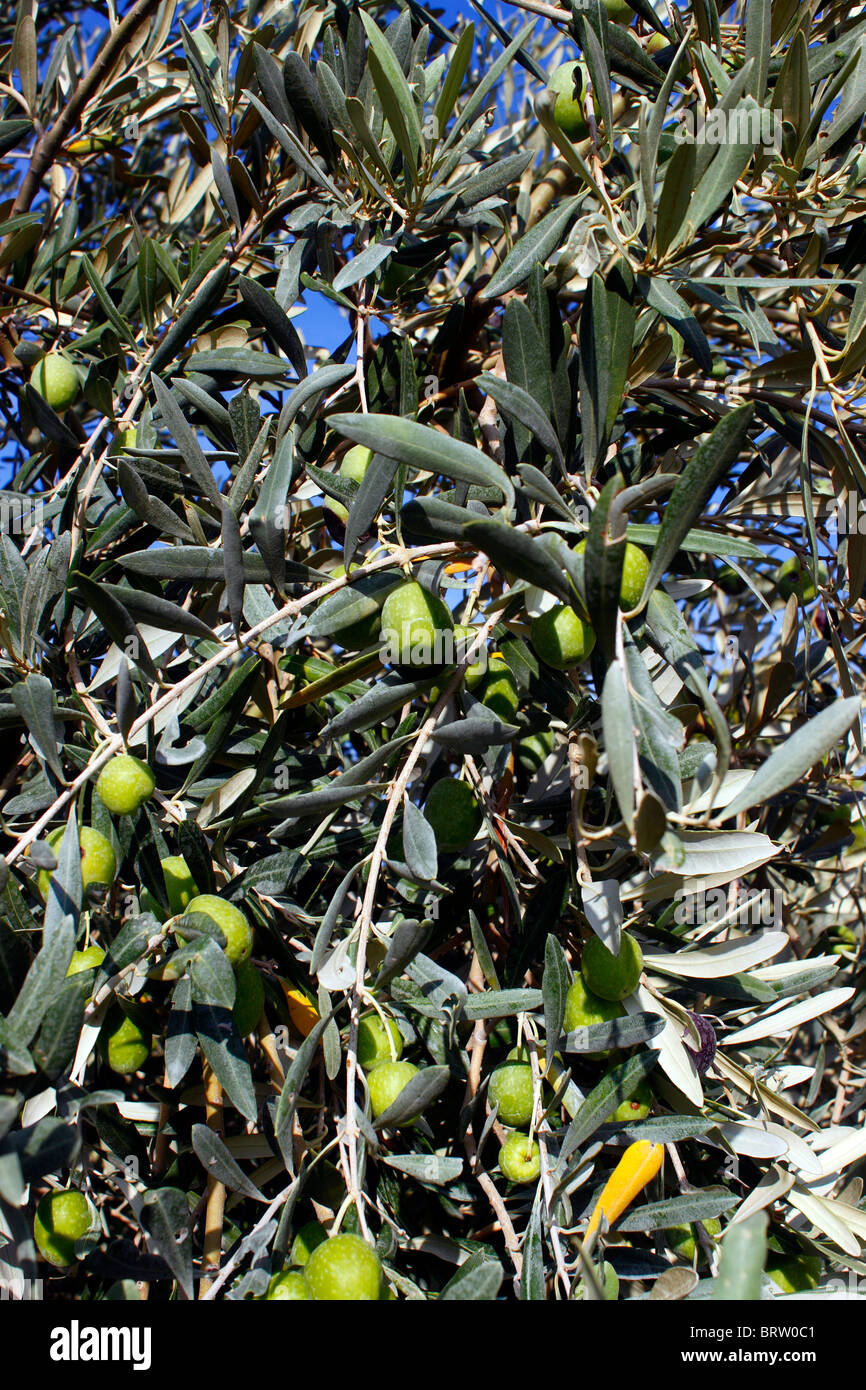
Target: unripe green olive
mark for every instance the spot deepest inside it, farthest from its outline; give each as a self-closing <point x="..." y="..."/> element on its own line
<point x="308" y="1239"/>
<point x="583" y="1009"/>
<point x="520" y="1158"/>
<point x="365" y="631"/>
<point x="635" y="568"/>
<point x="98" y="860"/>
<point x="611" y="976"/>
<point x="417" y="628"/>
<point x="511" y="1090"/>
<point x="609" y="1280"/>
<point x="499" y="692"/>
<point x="561" y="638"/>
<point x="793" y="578"/>
<point x="794" y="1273"/>
<point x="376" y="1043"/>
<point x="62" y="1218"/>
<point x="683" y="1240"/>
<point x="344" y="1269"/>
<point x="124" y="784"/>
<point x="454" y="813"/>
<point x="637" y="1107"/>
<point x="180" y="885"/>
<point x="56" y="379"/>
<point x="231" y="922"/>
<point x="569" y="81"/>
<point x="619" y="11"/>
<point x="287" y="1285"/>
<point x="123" y="1043"/>
<point x="355" y="463"/>
<point x="386" y="1082"/>
<point x="535" y="748"/>
<point x="464" y="636"/>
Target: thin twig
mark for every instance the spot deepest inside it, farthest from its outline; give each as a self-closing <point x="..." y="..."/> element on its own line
<point x="477" y="1046"/>
<point x="48" y="145"/>
<point x="216" y="1192"/>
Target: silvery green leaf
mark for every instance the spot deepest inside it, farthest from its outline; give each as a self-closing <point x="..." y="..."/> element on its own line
<point x="714" y="857"/>
<point x="675" y="1061"/>
<point x="404" y="944"/>
<point x="43" y="983"/>
<point x="783" y="1021"/>
<point x="620" y="1082"/>
<point x="718" y="961"/>
<point x="555" y="983"/>
<point x="218" y="1163"/>
<point x="601" y="904"/>
<point x="830" y="1217"/>
<point x="423" y="448"/>
<point x="744" y="1251"/>
<point x="180" y="1039"/>
<point x="443" y="992"/>
<point x="426" y="1168"/>
<point x="363" y="264"/>
<point x="295" y="1077"/>
<point x="532" y="1286"/>
<point x="618" y="723"/>
<point x="419" y="842"/>
<point x="479" y="1283"/>
<point x="225" y="1053"/>
<point x="697" y="1206"/>
<point x="811" y="742"/>
<point x="13" y="1053"/>
<point x="533" y="247"/>
<point x="212" y="976"/>
<point x="503" y="1003"/>
<point x="34" y="700"/>
<point x="165" y="1219"/>
<point x="618" y="1032"/>
<point x="667" y="1129"/>
<point x="474" y="734"/>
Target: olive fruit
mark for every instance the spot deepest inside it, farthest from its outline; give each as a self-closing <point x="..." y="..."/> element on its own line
<point x="124" y="784"/>
<point x="386" y="1082"/>
<point x="611" y="976"/>
<point x="56" y="379"/>
<point x="123" y="1043"/>
<point x="344" y="1269"/>
<point x="569" y="83"/>
<point x="376" y="1043"/>
<point x="416" y="628"/>
<point x="520" y="1158"/>
<point x="231" y="922"/>
<point x="454" y="813"/>
<point x="288" y="1284"/>
<point x="62" y="1218"/>
<point x="561" y="638"/>
<point x="98" y="860"/>
<point x="510" y="1089"/>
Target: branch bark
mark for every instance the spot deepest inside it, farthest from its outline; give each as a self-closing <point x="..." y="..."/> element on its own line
<point x="48" y="145"/>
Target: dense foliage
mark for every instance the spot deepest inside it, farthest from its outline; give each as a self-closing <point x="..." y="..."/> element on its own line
<point x="338" y="860"/>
